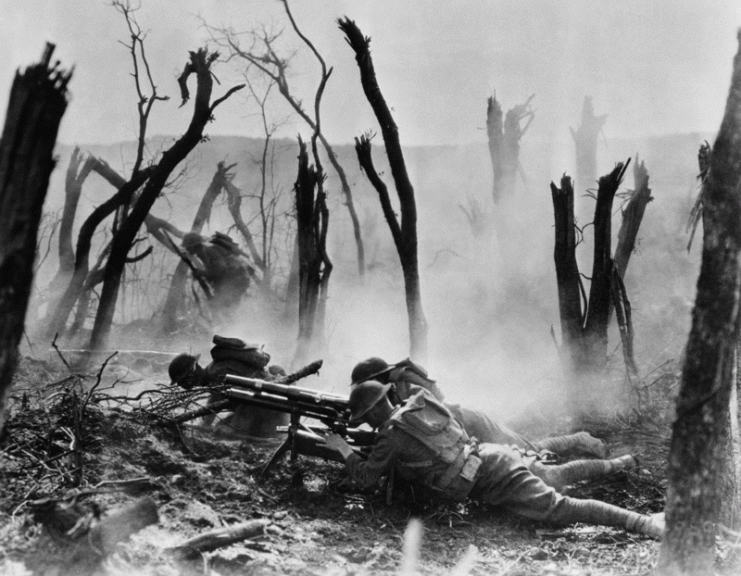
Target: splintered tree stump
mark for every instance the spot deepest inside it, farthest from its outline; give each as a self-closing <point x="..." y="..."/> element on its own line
<point x="38" y="99"/>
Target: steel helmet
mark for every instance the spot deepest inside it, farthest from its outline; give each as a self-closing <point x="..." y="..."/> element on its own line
<point x="365" y="396"/>
<point x="369" y="369"/>
<point x="181" y="366"/>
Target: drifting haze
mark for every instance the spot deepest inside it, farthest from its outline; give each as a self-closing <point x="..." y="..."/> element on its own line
<point x="655" y="68"/>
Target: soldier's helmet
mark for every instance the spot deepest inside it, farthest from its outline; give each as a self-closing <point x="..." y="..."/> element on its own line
<point x="369" y="369"/>
<point x="191" y="240"/>
<point x="365" y="396"/>
<point x="182" y="366"/>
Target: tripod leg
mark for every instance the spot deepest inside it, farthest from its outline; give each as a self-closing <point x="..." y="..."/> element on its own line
<point x="282" y="449"/>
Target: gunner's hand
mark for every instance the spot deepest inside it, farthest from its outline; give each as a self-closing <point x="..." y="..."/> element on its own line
<point x="337" y="442"/>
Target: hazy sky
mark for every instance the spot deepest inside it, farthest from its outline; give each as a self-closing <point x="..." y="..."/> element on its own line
<point x="654" y="66"/>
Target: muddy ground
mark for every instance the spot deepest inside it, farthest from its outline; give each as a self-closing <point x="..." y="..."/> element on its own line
<point x="72" y="432"/>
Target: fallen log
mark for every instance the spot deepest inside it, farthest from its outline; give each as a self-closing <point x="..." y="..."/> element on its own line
<point x="218" y="538"/>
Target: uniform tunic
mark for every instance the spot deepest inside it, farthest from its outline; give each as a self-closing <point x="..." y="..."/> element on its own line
<point x="502" y="479"/>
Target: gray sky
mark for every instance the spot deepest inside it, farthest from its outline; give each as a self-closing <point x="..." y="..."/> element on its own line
<point x="655" y="67"/>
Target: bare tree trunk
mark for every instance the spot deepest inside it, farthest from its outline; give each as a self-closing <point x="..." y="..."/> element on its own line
<point x="407" y="240"/>
<point x="495" y="133"/>
<point x="82" y="254"/>
<point x="585" y="140"/>
<point x="699" y="462"/>
<point x="38" y="99"/>
<point x="199" y="64"/>
<point x="311" y="217"/>
<point x="176" y="294"/>
<point x="598" y="311"/>
<point x="77" y="172"/>
<point x="570" y="289"/>
<point x="504" y="144"/>
<point x="632" y="217"/>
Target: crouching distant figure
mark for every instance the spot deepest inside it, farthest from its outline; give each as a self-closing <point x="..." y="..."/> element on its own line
<point x="231" y="356"/>
<point x="224" y="267"/>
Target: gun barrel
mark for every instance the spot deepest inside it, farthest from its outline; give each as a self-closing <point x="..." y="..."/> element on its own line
<point x="291" y="392"/>
<point x="289" y="406"/>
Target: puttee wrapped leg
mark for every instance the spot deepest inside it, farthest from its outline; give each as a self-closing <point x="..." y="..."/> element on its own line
<point x="565" y="474"/>
<point x="569" y="510"/>
<point x="582" y="441"/>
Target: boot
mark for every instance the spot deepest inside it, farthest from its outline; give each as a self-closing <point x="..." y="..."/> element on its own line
<point x="582" y="441"/>
<point x="653" y="525"/>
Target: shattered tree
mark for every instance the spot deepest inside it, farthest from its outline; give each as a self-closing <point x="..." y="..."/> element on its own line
<point x="274" y="67"/>
<point x="38" y="100"/>
<point x="585" y="318"/>
<point x="585" y="140"/>
<point x="199" y="64"/>
<point x="504" y="143"/>
<point x="77" y="172"/>
<point x="312" y="218"/>
<point x="404" y="233"/>
<point x="701" y="473"/>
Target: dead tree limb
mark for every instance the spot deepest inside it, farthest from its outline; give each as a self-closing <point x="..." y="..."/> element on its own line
<point x="585" y="140"/>
<point x="200" y="65"/>
<point x="214" y="539"/>
<point x="595" y="327"/>
<point x="408" y="207"/>
<point x="274" y="67"/>
<point x="37" y="102"/>
<point x="632" y="217"/>
<point x="624" y="320"/>
<point x="504" y="143"/>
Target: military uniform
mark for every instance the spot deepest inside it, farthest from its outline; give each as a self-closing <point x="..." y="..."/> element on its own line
<point x="424" y="443"/>
<point x="233" y="356"/>
<point x="408" y="377"/>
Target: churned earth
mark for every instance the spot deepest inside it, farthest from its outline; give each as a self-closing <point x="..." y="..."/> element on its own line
<point x="73" y="435"/>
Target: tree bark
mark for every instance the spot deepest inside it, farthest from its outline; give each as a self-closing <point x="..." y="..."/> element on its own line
<point x="38" y="100"/>
<point x="504" y="143"/>
<point x="77" y="172"/>
<point x="567" y="273"/>
<point x="76" y="284"/>
<point x="598" y="310"/>
<point x="698" y="460"/>
<point x="314" y="268"/>
<point x="495" y="134"/>
<point x="632" y="217"/>
<point x="585" y="141"/>
<point x="200" y="65"/>
<point x="407" y="247"/>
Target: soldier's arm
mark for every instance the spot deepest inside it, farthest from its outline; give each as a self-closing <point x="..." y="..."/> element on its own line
<point x="366" y="473"/>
